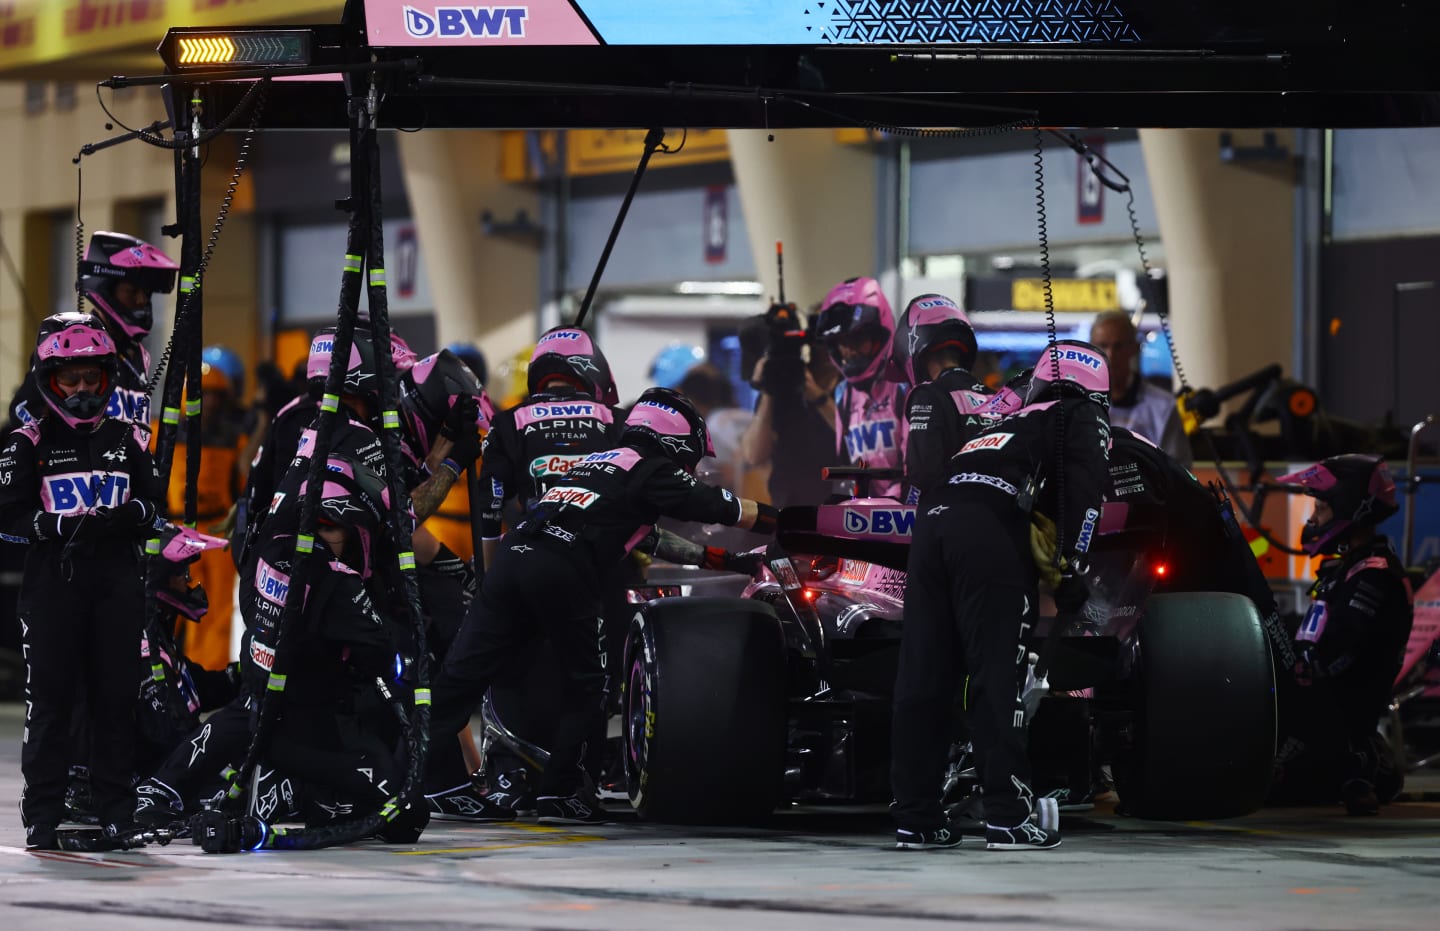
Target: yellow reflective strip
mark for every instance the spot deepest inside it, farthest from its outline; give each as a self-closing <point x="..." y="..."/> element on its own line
<point x="234" y="791"/>
<point x="192" y="408"/>
<point x="187" y="284"/>
<point x="422" y="696"/>
<point x="228" y="773"/>
<point x="157" y="672"/>
<point x="276" y="683"/>
<point x="330" y="403"/>
<point x="353" y="263"/>
<point x="407" y="562"/>
<point x="377" y="277"/>
<point x="171" y="415"/>
<point x="391" y="420"/>
<point x="388" y="810"/>
<point x="305" y="543"/>
<point x="152" y="547"/>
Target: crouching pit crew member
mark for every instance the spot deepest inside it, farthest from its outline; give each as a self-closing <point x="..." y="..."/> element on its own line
<point x="548" y="579"/>
<point x="971" y="593"/>
<point x="81" y="489"/>
<point x="1350" y="643"/>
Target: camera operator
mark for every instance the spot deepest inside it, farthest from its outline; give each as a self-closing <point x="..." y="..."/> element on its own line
<point x="794" y="425"/>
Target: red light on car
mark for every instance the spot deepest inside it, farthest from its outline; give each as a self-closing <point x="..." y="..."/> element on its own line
<point x="810" y="595"/>
<point x="1161" y="570"/>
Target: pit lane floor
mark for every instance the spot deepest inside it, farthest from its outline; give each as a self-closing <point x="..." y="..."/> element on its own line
<point x="812" y="867"/>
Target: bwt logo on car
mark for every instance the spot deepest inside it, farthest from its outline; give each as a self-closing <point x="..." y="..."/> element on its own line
<point x="889" y="521"/>
<point x="324" y="346"/>
<point x="477" y="22"/>
<point x="568" y="336"/>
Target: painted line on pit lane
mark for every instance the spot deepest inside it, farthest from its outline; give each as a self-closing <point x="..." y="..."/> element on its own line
<point x="68" y="856"/>
<point x="563" y="837"/>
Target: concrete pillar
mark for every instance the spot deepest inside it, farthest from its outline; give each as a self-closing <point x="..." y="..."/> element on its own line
<point x="815" y="196"/>
<point x="485" y="287"/>
<point x="1228" y="229"/>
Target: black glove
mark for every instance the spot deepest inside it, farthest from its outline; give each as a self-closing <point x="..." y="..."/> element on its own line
<point x="726" y="561"/>
<point x="1071" y="593"/>
<point x="69" y="528"/>
<point x="132" y="517"/>
<point x="461" y="428"/>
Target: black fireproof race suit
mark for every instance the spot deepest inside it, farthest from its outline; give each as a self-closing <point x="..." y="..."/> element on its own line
<point x="1350" y="648"/>
<point x="81" y="603"/>
<point x="531" y="446"/>
<point x="339" y="649"/>
<point x="970" y="593"/>
<point x="548" y="579"/>
<point x="941" y="415"/>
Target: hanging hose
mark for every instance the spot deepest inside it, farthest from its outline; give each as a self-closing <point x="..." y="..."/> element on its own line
<point x="1052" y="333"/>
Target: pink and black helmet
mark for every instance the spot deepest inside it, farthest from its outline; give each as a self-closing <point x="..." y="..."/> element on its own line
<point x="178" y="548"/>
<point x="355" y="497"/>
<point x="665" y="419"/>
<point x="361" y="375"/>
<point x="430" y="389"/>
<point x="568" y="354"/>
<point x="66" y="339"/>
<point x="1359" y="490"/>
<point x="856" y="307"/>
<point x="1070" y="367"/>
<point x="930" y="322"/>
<point x="115" y="257"/>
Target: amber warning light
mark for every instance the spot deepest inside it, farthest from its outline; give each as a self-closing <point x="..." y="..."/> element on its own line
<point x="207" y="49"/>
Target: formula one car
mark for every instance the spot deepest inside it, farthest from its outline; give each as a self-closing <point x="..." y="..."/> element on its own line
<point x="733" y="706"/>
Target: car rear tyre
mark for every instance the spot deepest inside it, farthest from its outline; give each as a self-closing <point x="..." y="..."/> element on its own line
<point x="1204" y="718"/>
<point x="705" y="710"/>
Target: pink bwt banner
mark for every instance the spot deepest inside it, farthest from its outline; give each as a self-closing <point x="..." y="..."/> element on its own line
<point x="425" y="22"/>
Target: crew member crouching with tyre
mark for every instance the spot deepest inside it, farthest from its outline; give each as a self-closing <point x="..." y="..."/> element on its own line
<point x="1350" y="643"/>
<point x="971" y="592"/>
<point x="548" y="580"/>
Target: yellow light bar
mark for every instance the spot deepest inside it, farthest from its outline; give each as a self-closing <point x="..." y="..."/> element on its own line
<point x="242" y="47"/>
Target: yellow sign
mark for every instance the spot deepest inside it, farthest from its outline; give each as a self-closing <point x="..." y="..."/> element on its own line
<point x="1071" y="295"/>
<point x="525" y="153"/>
<point x="37" y="33"/>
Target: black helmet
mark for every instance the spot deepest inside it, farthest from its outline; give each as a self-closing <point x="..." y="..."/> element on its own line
<point x="115" y="257"/>
<point x="569" y="354"/>
<point x="931" y="321"/>
<point x="362" y="375"/>
<point x="1359" y="490"/>
<point x="665" y="420"/>
<point x="355" y="497"/>
<point x="428" y="391"/>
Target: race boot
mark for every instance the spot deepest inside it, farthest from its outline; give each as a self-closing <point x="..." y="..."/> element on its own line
<point x="515" y="788"/>
<point x="157" y="805"/>
<point x="570" y="809"/>
<point x="941" y="838"/>
<point x="41" y="837"/>
<point x="466" y="803"/>
<point x="1040" y="831"/>
<point x="79" y="798"/>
